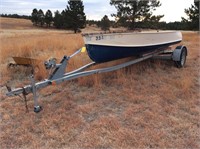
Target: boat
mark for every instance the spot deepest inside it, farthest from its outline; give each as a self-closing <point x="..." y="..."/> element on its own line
<point x="107" y="47"/>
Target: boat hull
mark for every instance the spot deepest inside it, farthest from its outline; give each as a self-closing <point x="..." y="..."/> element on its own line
<point x="102" y="53"/>
<point x="107" y="47"/>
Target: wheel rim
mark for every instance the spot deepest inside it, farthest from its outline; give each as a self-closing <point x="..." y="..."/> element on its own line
<point x="183" y="57"/>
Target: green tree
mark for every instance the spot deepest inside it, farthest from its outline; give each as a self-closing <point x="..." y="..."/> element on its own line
<point x="74" y="15"/>
<point x="41" y="17"/>
<point x="66" y="20"/>
<point x="193" y="16"/>
<point x="129" y="11"/>
<point x="58" y="20"/>
<point x="34" y="16"/>
<point x="105" y="23"/>
<point x="152" y="21"/>
<point x="48" y="17"/>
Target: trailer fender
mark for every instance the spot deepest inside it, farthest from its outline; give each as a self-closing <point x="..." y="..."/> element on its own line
<point x="179" y="56"/>
<point x="176" y="55"/>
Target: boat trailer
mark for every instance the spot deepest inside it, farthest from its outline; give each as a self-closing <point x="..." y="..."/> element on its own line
<point x="58" y="74"/>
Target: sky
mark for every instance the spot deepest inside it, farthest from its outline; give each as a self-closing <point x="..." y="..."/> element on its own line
<point x="172" y="10"/>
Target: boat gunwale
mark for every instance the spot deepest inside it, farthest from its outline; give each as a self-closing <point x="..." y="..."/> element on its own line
<point x="147" y="45"/>
<point x="130" y="33"/>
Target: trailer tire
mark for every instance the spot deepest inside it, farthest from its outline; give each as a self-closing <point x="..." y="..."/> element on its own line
<point x="182" y="61"/>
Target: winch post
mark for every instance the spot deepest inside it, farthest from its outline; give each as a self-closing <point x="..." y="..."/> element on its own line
<point x="60" y="70"/>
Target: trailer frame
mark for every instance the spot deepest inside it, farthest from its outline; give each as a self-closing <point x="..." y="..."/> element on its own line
<point x="58" y="74"/>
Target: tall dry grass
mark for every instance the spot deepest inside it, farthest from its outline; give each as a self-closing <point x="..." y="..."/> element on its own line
<point x="12" y="23"/>
<point x="42" y="47"/>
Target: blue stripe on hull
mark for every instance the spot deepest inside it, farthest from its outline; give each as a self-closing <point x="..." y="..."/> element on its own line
<point x="101" y="53"/>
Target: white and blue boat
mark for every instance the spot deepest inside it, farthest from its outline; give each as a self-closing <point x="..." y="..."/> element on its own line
<point x="107" y="47"/>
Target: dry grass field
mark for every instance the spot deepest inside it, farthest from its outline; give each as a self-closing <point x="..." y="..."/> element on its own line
<point x="148" y="105"/>
<point x="11" y="23"/>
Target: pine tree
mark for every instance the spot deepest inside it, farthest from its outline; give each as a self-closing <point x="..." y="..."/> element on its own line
<point x="58" y="20"/>
<point x="105" y="23"/>
<point x="74" y="15"/>
<point x="129" y="11"/>
<point x="48" y="18"/>
<point x="34" y="16"/>
<point x="193" y="16"/>
<point x="66" y="20"/>
<point x="41" y="17"/>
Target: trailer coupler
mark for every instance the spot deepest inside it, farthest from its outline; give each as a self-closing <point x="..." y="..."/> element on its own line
<point x="22" y="97"/>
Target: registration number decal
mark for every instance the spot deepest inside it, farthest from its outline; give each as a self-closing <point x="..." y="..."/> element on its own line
<point x="99" y="37"/>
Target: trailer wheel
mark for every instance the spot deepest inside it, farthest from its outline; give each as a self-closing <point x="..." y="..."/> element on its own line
<point x="182" y="61"/>
<point x="179" y="56"/>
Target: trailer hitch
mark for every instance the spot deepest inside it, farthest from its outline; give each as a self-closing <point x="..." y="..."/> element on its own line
<point x="22" y="97"/>
<point x="37" y="108"/>
<point x="56" y="71"/>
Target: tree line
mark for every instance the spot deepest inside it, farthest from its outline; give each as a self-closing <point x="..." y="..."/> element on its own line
<point x="73" y="17"/>
<point x="15" y="16"/>
<point x="39" y="18"/>
<point x="130" y="14"/>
